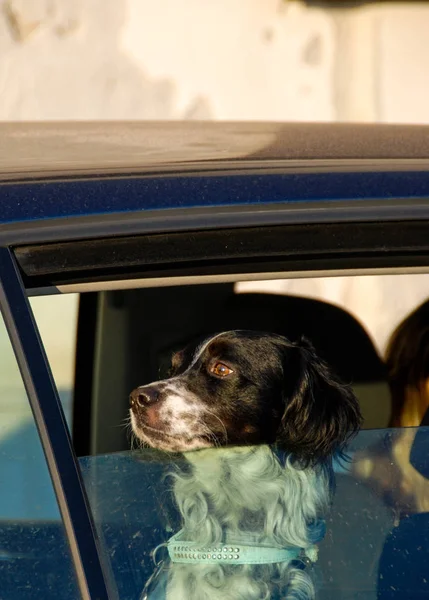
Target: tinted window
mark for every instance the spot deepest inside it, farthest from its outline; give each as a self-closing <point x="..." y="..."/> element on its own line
<point x="375" y="544"/>
<point x="34" y="556"/>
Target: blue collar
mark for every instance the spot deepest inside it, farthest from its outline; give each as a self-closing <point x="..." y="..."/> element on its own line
<point x="181" y="551"/>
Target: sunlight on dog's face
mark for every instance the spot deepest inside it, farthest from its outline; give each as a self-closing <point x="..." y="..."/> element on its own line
<point x="243" y="388"/>
<point x="226" y="391"/>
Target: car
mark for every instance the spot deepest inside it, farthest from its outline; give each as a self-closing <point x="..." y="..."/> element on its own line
<point x="162" y="232"/>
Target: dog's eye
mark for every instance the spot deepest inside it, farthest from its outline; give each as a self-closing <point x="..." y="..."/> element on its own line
<point x="220" y="370"/>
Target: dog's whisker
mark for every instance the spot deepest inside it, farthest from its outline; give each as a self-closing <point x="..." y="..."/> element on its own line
<point x="128" y="429"/>
<point x="221" y="422"/>
<point x="211" y="435"/>
<point x="136" y="443"/>
<point x="208" y="432"/>
<point x="125" y="423"/>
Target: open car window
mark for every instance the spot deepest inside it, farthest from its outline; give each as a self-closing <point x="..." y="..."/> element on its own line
<point x="365" y="535"/>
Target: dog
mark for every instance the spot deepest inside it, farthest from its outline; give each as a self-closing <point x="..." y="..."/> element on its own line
<point x="259" y="419"/>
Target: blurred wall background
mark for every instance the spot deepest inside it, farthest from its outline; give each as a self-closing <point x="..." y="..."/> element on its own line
<point x="214" y="59"/>
<point x="219" y="59"/>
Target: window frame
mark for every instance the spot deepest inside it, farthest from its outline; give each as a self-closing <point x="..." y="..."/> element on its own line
<point x="92" y="571"/>
<point x="280" y="248"/>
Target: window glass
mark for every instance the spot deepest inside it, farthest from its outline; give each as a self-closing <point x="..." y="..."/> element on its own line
<point x="372" y="543"/>
<point x="56" y="318"/>
<point x="34" y="557"/>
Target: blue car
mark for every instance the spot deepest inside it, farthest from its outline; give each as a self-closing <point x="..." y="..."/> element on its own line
<point x="162" y="233"/>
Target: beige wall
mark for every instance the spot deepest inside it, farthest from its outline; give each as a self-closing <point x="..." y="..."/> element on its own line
<point x="219" y="59"/>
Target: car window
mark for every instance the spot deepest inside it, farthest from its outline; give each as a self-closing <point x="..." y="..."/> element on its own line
<point x="56" y="318"/>
<point x="371" y="514"/>
<point x="378" y="302"/>
<point x="371" y="543"/>
<point x="34" y="556"/>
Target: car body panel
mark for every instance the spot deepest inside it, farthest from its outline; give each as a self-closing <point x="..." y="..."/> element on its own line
<point x="60" y="199"/>
<point x="30" y="150"/>
<point x="60" y="170"/>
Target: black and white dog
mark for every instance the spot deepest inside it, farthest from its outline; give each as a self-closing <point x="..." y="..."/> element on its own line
<point x="266" y="416"/>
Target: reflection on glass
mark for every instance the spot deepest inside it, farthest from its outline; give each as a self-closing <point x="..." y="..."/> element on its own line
<point x="360" y="531"/>
<point x="34" y="557"/>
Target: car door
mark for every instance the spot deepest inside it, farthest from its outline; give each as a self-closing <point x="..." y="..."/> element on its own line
<point x="151" y="275"/>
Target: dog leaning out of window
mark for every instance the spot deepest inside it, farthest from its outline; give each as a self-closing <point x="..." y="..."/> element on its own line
<point x="259" y="420"/>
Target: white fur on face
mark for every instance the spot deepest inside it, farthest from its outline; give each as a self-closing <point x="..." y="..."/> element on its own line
<point x="180" y="410"/>
<point x="180" y="421"/>
<point x="180" y="414"/>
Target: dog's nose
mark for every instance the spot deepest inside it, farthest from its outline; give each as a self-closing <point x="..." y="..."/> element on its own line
<point x="143" y="396"/>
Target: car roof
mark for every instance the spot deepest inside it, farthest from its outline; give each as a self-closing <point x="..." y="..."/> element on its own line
<point x="70" y="148"/>
<point x="60" y="170"/>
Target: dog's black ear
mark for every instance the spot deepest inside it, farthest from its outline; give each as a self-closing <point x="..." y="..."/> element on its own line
<point x="321" y="414"/>
<point x="177" y="363"/>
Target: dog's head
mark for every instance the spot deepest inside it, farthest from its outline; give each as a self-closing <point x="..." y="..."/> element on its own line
<point x="243" y="388"/>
